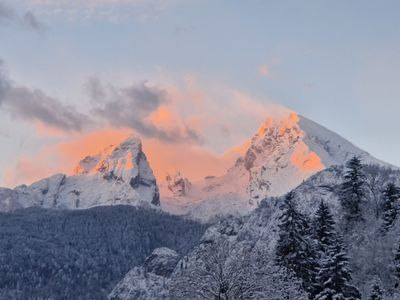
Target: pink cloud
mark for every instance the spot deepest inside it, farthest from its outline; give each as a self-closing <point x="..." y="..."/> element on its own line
<point x="224" y="117"/>
<point x="263" y="70"/>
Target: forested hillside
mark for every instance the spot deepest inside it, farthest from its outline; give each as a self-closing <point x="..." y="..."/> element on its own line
<point x="49" y="254"/>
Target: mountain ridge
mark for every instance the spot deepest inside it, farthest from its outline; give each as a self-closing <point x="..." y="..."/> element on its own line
<point x="280" y="156"/>
<point x="114" y="176"/>
<point x="283" y="153"/>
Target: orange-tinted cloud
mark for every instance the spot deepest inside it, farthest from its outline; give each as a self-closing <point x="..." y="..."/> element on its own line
<point x="263" y="71"/>
<point x="192" y="161"/>
<point x="224" y="118"/>
<point x="27" y="170"/>
<point x="75" y="149"/>
<point x="60" y="157"/>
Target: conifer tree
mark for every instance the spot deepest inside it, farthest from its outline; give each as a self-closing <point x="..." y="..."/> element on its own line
<point x="294" y="249"/>
<point x="376" y="292"/>
<point x="353" y="190"/>
<point x="396" y="266"/>
<point x="325" y="234"/>
<point x="391" y="194"/>
<point x="334" y="275"/>
<point x="324" y="227"/>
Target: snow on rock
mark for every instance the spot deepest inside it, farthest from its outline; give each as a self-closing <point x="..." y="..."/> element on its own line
<point x="280" y="156"/>
<point x="139" y="285"/>
<point x="161" y="262"/>
<point x="177" y="184"/>
<point x="149" y="281"/>
<point x="117" y="175"/>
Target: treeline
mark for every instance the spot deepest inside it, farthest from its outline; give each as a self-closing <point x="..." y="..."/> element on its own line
<point x="82" y="254"/>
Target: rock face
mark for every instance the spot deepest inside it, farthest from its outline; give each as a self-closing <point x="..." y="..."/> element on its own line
<point x="149" y="281"/>
<point x="117" y="175"/>
<point x="177" y="184"/>
<point x="280" y="156"/>
<point x="161" y="262"/>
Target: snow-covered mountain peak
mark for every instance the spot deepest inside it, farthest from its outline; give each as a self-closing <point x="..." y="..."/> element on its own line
<point x="117" y="175"/>
<point x="112" y="158"/>
<point x="279" y="126"/>
<point x="277" y="138"/>
<point x="283" y="153"/>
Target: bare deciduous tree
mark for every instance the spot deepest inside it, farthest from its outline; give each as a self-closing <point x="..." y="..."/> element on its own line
<point x="222" y="272"/>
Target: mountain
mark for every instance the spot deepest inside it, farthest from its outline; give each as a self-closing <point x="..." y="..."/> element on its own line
<point x="116" y="175"/>
<point x="281" y="155"/>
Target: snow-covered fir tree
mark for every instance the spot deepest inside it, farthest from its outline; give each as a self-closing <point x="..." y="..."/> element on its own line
<point x="325" y="236"/>
<point x="396" y="266"/>
<point x="376" y="291"/>
<point x="294" y="249"/>
<point x="391" y="194"/>
<point x="324" y="226"/>
<point x="353" y="190"/>
<point x="334" y="275"/>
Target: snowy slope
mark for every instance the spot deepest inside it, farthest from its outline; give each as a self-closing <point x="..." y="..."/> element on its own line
<point x="148" y="282"/>
<point x="117" y="175"/>
<point x="370" y="252"/>
<point x="280" y="156"/>
<point x="255" y="237"/>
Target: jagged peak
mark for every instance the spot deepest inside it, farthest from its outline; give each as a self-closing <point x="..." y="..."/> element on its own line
<point x="177" y="183"/>
<point x="279" y="127"/>
<point x="120" y="156"/>
<point x="131" y="141"/>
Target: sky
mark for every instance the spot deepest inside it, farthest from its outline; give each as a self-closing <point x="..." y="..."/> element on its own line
<point x="190" y="76"/>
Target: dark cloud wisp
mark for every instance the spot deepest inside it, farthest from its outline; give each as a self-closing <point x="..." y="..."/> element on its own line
<point x="34" y="105"/>
<point x="8" y="16"/>
<point x="128" y="107"/>
<point x="131" y="106"/>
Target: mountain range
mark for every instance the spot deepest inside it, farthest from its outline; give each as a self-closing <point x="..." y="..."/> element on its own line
<point x="87" y="235"/>
<point x="281" y="154"/>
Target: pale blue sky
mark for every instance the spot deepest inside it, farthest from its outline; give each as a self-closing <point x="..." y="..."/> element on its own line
<point x="336" y="62"/>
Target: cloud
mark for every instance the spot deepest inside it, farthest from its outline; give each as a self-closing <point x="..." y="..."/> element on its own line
<point x="191" y="126"/>
<point x="224" y="116"/>
<point x="183" y="29"/>
<point x="87" y="2"/>
<point x="63" y="156"/>
<point x="27" y="170"/>
<point x="4" y="82"/>
<point x="141" y="107"/>
<point x="30" y="21"/>
<point x="263" y="70"/>
<point x="111" y="10"/>
<point x="6" y="13"/>
<point x="34" y="105"/>
<point x="8" y="16"/>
